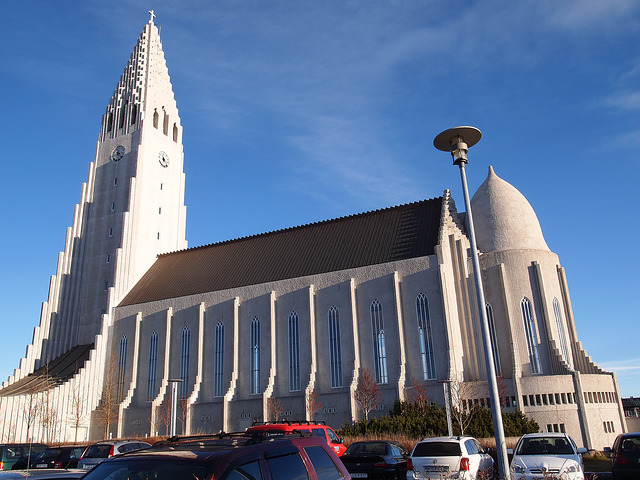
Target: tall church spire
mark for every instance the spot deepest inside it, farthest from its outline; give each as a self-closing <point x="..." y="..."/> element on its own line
<point x="131" y="208"/>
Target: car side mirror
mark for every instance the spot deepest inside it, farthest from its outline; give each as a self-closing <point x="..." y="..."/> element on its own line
<point x="582" y="450"/>
<point x="607" y="452"/>
<point x="509" y="451"/>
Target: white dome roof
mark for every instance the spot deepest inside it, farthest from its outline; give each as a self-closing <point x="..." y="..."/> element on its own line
<point x="503" y="218"/>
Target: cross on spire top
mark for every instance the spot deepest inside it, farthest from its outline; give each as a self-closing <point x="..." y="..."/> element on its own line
<point x="153" y="15"/>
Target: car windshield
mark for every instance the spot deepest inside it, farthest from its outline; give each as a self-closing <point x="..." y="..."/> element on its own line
<point x="367" y="448"/>
<point x="437" y="449"/>
<point x="156" y="469"/>
<point x="545" y="446"/>
<point x="98" y="451"/>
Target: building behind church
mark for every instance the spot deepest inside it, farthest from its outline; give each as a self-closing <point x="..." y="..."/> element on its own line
<point x="293" y="316"/>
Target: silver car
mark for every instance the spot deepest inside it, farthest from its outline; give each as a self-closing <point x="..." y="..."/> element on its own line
<point x="98" y="452"/>
<point x="449" y="457"/>
<point x="547" y="455"/>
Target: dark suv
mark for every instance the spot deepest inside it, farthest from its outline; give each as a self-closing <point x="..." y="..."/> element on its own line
<point x="234" y="456"/>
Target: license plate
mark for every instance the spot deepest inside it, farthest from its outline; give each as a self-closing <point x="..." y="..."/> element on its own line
<point x="87" y="467"/>
<point x="358" y="475"/>
<point x="436" y="469"/>
<point x="42" y="465"/>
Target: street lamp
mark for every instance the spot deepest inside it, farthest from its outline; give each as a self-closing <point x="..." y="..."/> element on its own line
<point x="457" y="141"/>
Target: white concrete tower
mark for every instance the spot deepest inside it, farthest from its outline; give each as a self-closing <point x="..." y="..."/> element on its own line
<point x="132" y="206"/>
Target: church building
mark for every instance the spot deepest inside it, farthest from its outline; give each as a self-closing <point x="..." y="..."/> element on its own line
<point x="293" y="317"/>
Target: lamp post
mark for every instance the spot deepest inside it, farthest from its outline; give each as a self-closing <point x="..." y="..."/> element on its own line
<point x="174" y="405"/>
<point x="457" y="141"/>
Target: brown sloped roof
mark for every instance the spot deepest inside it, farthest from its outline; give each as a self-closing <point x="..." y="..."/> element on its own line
<point x="380" y="236"/>
<point x="54" y="373"/>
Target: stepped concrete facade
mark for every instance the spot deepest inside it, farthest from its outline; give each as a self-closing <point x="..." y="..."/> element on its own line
<point x="294" y="317"/>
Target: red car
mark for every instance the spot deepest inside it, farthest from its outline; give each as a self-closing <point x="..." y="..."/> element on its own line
<point x="317" y="429"/>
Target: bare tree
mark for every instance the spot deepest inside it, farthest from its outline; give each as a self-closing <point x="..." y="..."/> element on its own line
<point x="461" y="395"/>
<point x="184" y="408"/>
<point x="31" y="409"/>
<point x="164" y="414"/>
<point x="419" y="396"/>
<point x="47" y="412"/>
<point x="275" y="408"/>
<point x="503" y="391"/>
<point x="367" y="393"/>
<point x="107" y="411"/>
<point x="314" y="405"/>
<point x="77" y="414"/>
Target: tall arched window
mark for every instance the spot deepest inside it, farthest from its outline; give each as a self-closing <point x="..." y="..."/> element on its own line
<point x="425" y="337"/>
<point x="379" y="349"/>
<point x="218" y="367"/>
<point x="153" y="366"/>
<point x="184" y="362"/>
<point x="156" y="117"/>
<point x="294" y="353"/>
<point x="562" y="339"/>
<point x="175" y="132"/>
<point x="134" y="114"/>
<point x="255" y="356"/>
<point x="122" y="365"/>
<point x="494" y="341"/>
<point x="530" y="330"/>
<point x="335" y="350"/>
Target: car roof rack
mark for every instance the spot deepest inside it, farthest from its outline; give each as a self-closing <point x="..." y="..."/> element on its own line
<point x="284" y="421"/>
<point x="226" y="439"/>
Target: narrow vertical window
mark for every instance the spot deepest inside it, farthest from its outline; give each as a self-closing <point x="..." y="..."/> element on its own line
<point x="108" y="258"/>
<point x="115" y="181"/>
<point x="155" y="118"/>
<point x="175" y="132"/>
<point x="425" y="337"/>
<point x="153" y="366"/>
<point x="184" y="362"/>
<point x="113" y="206"/>
<point x="165" y="123"/>
<point x="134" y="114"/>
<point x="122" y="365"/>
<point x="494" y="340"/>
<point x="111" y="232"/>
<point x="123" y="112"/>
<point x="109" y="122"/>
<point x="379" y="349"/>
<point x="530" y="330"/>
<point x="335" y="350"/>
<point x="255" y="356"/>
<point x="562" y="339"/>
<point x="218" y="367"/>
<point x="294" y="353"/>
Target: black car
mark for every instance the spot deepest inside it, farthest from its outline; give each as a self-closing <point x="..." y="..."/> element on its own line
<point x="625" y="456"/>
<point x="59" y="457"/>
<point x="376" y="459"/>
<point x="231" y="456"/>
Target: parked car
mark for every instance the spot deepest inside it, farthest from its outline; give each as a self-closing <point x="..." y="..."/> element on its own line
<point x="547" y="455"/>
<point x="376" y="459"/>
<point x="10" y="453"/>
<point x="449" y="457"/>
<point x="58" y="457"/>
<point x="96" y="453"/>
<point x="232" y="456"/>
<point x="625" y="456"/>
<point x="318" y="429"/>
<point x="43" y="474"/>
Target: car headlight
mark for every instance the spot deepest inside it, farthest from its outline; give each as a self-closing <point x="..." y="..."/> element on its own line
<point x="573" y="468"/>
<point x="517" y="468"/>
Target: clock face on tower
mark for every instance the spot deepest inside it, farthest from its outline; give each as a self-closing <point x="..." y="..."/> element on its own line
<point x="163" y="158"/>
<point x="117" y="153"/>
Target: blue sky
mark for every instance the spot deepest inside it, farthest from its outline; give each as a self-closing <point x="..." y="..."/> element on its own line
<point x="299" y="111"/>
